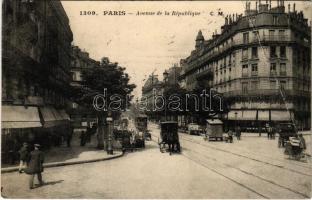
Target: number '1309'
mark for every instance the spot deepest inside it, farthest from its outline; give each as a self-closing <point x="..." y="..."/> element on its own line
<point x="87" y="13"/>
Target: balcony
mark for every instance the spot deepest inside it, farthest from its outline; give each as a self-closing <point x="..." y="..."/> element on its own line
<point x="207" y="74"/>
<point x="261" y="39"/>
<point x="266" y="92"/>
<point x="273" y="73"/>
<point x="254" y="73"/>
<point x="245" y="74"/>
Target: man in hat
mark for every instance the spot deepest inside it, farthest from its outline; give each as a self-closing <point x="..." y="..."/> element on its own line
<point x="24" y="157"/>
<point x="35" y="166"/>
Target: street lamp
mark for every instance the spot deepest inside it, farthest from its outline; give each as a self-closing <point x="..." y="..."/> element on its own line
<point x="109" y="121"/>
<point x="235" y="120"/>
<point x="165" y="74"/>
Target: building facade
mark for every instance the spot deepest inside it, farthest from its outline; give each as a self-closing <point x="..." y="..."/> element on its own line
<point x="260" y="62"/>
<point x="81" y="117"/>
<point x="36" y="56"/>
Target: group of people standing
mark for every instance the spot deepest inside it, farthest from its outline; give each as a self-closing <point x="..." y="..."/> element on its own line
<point x="31" y="162"/>
<point x="271" y="132"/>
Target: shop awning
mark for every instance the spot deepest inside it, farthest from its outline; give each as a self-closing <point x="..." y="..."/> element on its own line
<point x="20" y="117"/>
<point x="233" y="116"/>
<point x="53" y="117"/>
<point x="249" y="115"/>
<point x="280" y="115"/>
<point x="48" y="117"/>
<point x="263" y="115"/>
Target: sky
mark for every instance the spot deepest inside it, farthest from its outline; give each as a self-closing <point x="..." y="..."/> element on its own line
<point x="146" y="43"/>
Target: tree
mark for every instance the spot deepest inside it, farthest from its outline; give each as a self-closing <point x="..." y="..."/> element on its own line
<point x="109" y="77"/>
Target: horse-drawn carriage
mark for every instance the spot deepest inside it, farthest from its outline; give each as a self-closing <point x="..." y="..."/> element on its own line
<point x="169" y="137"/>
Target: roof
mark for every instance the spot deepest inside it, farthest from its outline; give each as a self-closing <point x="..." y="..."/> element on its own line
<point x="214" y="121"/>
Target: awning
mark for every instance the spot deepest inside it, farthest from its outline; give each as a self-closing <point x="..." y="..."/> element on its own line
<point x="233" y="116"/>
<point x="249" y="115"/>
<point x="280" y="115"/>
<point x="48" y="117"/>
<point x="20" y="117"/>
<point x="57" y="115"/>
<point x="242" y="115"/>
<point x="263" y="115"/>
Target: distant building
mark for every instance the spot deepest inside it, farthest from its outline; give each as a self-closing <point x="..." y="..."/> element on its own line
<point x="81" y="117"/>
<point x="261" y="62"/>
<point x="152" y="88"/>
<point x="36" y="56"/>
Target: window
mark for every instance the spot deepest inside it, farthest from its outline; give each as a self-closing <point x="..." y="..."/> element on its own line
<point x="271" y="34"/>
<point x="273" y="84"/>
<point x="282" y="85"/>
<point x="254" y="85"/>
<point x="245" y="54"/>
<point x="273" y="68"/>
<point x="275" y="20"/>
<point x="245" y="70"/>
<point x="246" y="38"/>
<point x="245" y="87"/>
<point x="255" y="36"/>
<point x="283" y="69"/>
<point x="282" y="51"/>
<point x="273" y="52"/>
<point x="281" y="34"/>
<point x="254" y="52"/>
<point x="254" y="69"/>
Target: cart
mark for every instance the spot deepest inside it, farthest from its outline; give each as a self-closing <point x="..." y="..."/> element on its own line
<point x="214" y="130"/>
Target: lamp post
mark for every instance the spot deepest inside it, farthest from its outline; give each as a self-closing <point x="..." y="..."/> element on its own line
<point x="165" y="74"/>
<point x="109" y="121"/>
<point x="235" y="120"/>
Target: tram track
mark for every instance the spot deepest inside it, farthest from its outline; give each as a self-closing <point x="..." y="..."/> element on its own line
<point x="251" y="174"/>
<point x="265" y="193"/>
<point x="254" y="159"/>
<point x="184" y="137"/>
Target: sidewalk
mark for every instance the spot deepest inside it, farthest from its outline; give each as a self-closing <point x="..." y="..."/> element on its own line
<point x="61" y="156"/>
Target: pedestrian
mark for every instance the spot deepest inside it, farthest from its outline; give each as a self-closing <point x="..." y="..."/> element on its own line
<point x="69" y="136"/>
<point x="273" y="132"/>
<point x="268" y="129"/>
<point x="302" y="143"/>
<point x="24" y="157"/>
<point x="83" y="138"/>
<point x="238" y="132"/>
<point x="35" y="166"/>
<point x="88" y="135"/>
<point x="230" y="136"/>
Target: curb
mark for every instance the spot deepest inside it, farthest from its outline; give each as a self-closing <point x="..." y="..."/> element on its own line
<point x="59" y="164"/>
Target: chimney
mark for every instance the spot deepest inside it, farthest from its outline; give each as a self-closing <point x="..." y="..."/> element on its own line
<point x="270" y="4"/>
<point x="256" y="5"/>
<point x="233" y="19"/>
<point x="288" y="8"/>
<point x="294" y="7"/>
